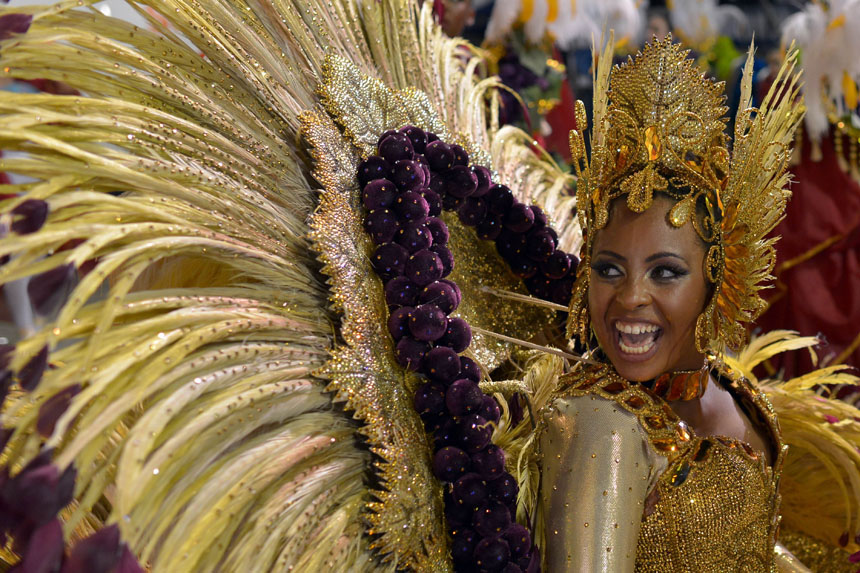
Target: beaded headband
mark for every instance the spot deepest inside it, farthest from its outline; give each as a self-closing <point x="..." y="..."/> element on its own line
<point x="659" y="126"/>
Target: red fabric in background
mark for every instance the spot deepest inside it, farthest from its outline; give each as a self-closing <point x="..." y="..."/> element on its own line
<point x="821" y="295"/>
<point x="562" y="119"/>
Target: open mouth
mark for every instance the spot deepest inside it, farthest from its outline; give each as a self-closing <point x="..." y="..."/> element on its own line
<point x="637" y="338"/>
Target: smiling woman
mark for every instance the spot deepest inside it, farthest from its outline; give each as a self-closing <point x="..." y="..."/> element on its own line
<point x="646" y="295"/>
<point x="657" y="456"/>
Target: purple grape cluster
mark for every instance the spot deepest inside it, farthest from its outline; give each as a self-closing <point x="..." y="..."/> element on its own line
<point x="404" y="189"/>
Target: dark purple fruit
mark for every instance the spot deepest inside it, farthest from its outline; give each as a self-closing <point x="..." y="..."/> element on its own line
<point x="398" y="322"/>
<point x="519" y="218"/>
<point x="396" y="147"/>
<point x="389" y="260"/>
<point x="374" y="167"/>
<point x="439" y="156"/>
<point x="442" y="364"/>
<point x="427" y="322"/>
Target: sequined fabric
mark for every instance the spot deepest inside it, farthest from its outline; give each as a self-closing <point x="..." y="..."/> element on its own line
<point x="712" y="507"/>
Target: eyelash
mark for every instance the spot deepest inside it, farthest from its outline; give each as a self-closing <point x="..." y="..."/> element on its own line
<point x="675" y="272"/>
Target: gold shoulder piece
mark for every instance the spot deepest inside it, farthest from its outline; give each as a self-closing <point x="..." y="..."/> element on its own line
<point x="667" y="433"/>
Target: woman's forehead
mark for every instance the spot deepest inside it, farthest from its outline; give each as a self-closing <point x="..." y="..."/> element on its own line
<point x="646" y="232"/>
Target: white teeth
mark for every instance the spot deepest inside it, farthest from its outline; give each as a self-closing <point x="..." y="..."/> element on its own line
<point x="637" y="328"/>
<point x="635" y="349"/>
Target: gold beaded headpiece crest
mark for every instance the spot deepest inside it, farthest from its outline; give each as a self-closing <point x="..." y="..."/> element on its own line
<point x="659" y="126"/>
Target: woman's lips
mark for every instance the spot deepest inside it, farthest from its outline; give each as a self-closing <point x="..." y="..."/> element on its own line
<point x="636" y="341"/>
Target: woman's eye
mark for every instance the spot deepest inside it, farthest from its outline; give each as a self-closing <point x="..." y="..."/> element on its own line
<point x="664" y="272"/>
<point x="606" y="271"/>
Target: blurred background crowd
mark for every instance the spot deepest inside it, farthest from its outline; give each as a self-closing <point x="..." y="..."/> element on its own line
<point x="541" y="49"/>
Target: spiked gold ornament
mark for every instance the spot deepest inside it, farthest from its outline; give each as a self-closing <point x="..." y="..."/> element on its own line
<point x="659" y="126"/>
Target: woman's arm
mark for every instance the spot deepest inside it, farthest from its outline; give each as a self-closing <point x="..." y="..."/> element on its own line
<point x="598" y="468"/>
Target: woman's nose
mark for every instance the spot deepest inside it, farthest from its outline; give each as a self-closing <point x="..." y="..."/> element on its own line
<point x="633" y="294"/>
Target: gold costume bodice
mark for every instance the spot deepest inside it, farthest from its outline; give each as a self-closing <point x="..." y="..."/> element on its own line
<point x="628" y="486"/>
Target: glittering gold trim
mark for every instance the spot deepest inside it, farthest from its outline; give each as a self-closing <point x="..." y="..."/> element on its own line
<point x="407" y="517"/>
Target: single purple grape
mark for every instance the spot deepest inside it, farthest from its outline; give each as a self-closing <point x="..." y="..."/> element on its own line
<point x="457" y="515"/>
<point x="511" y="244"/>
<point x="492" y="554"/>
<point x="519" y="540"/>
<point x="458" y="335"/>
<point x="430" y="399"/>
<point x="490" y="227"/>
<point x="562" y="290"/>
<point x="424" y="267"/>
<point x="440" y="294"/>
<point x="442" y="364"/>
<point x="470" y="490"/>
<point x="446" y="257"/>
<point x="484" y="180"/>
<point x="472" y="211"/>
<point x="427" y="322"/>
<point x="490" y="408"/>
<point x="450" y="464"/>
<point x="385" y="134"/>
<point x="410" y="352"/>
<point x="425" y="167"/>
<point x="438" y="185"/>
<point x="519" y="218"/>
<point x="461" y="181"/>
<point x="396" y="147"/>
<point x="556" y="266"/>
<point x="500" y="199"/>
<point x="463" y="397"/>
<point x="411" y="206"/>
<point x="398" y="322"/>
<point x="475" y="432"/>
<point x="455" y="288"/>
<point x="470" y="369"/>
<point x="450" y="202"/>
<point x="492" y="519"/>
<point x="539" y="285"/>
<point x="407" y="175"/>
<point x="417" y="136"/>
<point x="463" y="545"/>
<point x="374" y="167"/>
<point x="434" y="202"/>
<point x="460" y="155"/>
<point x="381" y="225"/>
<point x="439" y="230"/>
<point x="378" y="194"/>
<point x="504" y="489"/>
<point x="389" y="260"/>
<point x="414" y="236"/>
<point x="439" y="156"/>
<point x="540" y="245"/>
<point x="489" y="463"/>
<point x="400" y="291"/>
<point x="522" y="266"/>
<point x="447" y="433"/>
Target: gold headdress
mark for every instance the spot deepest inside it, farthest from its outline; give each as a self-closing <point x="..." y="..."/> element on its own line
<point x="660" y="126"/>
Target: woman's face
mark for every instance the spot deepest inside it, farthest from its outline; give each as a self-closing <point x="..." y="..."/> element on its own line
<point x="647" y="288"/>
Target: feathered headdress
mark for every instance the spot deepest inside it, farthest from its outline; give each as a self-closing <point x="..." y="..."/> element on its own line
<point x="659" y="126"/>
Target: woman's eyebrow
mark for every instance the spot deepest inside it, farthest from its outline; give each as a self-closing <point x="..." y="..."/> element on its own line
<point x="611" y="254"/>
<point x="663" y="254"/>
